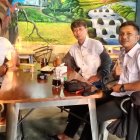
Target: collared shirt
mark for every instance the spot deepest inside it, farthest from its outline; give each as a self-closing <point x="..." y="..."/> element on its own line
<point x="131" y="69"/>
<point x="87" y="56"/>
<point x="5" y="49"/>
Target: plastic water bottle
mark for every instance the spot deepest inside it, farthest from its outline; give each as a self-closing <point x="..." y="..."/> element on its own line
<point x="121" y="56"/>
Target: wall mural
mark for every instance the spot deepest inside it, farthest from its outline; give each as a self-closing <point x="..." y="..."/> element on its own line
<point x="49" y="21"/>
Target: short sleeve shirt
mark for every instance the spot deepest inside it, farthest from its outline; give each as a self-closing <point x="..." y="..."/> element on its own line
<point x="87" y="56"/>
<point x="5" y="49"/>
<point x="131" y="69"/>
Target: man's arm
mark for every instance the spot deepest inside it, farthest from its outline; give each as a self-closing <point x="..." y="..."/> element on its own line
<point x="69" y="61"/>
<point x="104" y="69"/>
<point x="135" y="86"/>
<point x="106" y="63"/>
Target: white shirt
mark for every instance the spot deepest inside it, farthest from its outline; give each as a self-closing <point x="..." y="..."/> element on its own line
<point x="87" y="56"/>
<point x="6" y="49"/>
<point x="131" y="69"/>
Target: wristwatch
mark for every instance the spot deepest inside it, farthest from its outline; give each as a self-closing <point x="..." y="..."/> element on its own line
<point x="122" y="89"/>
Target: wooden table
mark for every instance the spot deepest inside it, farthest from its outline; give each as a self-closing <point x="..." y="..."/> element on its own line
<point x="21" y="90"/>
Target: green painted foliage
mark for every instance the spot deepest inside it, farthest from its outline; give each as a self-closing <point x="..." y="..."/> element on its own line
<point x="33" y="14"/>
<point x="131" y="16"/>
<point x="125" y="11"/>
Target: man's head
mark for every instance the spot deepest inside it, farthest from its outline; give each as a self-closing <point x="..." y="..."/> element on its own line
<point x="79" y="29"/>
<point x="128" y="35"/>
<point x="78" y="23"/>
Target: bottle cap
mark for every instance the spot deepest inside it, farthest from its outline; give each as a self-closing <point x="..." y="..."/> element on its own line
<point x="65" y="78"/>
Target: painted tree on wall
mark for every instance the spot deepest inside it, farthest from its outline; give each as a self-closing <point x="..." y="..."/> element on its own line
<point x="70" y="4"/>
<point x="55" y="4"/>
<point x="103" y="15"/>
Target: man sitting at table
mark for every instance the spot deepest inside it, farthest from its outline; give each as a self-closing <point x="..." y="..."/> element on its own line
<point x="89" y="58"/>
<point x="7" y="53"/>
<point x="6" y="50"/>
<point x="129" y="81"/>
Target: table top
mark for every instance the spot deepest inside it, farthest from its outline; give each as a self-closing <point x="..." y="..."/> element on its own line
<point x="22" y="86"/>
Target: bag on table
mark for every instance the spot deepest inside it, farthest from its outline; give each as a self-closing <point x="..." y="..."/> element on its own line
<point x="76" y="85"/>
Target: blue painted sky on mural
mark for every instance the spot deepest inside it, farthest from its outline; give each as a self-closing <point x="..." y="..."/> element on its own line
<point x="18" y="1"/>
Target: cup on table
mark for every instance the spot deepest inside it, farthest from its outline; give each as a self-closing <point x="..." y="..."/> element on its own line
<point x="56" y="90"/>
<point x="56" y="83"/>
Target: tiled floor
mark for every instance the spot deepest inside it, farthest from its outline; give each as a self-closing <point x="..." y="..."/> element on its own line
<point x="44" y="121"/>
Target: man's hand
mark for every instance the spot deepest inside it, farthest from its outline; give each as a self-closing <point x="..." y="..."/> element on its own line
<point x="94" y="78"/>
<point x="116" y="88"/>
<point x="98" y="94"/>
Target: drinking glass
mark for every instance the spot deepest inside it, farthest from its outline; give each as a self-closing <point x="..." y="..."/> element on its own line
<point x="56" y="84"/>
<point x="56" y="90"/>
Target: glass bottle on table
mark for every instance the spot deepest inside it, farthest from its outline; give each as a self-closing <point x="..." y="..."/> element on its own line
<point x="56" y="83"/>
<point x="57" y="61"/>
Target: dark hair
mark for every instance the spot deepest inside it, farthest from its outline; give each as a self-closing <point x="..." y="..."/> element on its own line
<point x="131" y="23"/>
<point x="78" y="23"/>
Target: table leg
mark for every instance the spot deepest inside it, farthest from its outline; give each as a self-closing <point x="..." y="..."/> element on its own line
<point x="11" y="121"/>
<point x="93" y="118"/>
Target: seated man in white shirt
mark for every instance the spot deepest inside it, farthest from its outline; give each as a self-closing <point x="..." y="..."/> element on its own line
<point x="129" y="80"/>
<point x="8" y="55"/>
<point x="89" y="58"/>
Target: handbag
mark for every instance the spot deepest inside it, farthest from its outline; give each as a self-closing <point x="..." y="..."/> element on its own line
<point x="119" y="127"/>
<point x="135" y="98"/>
<point x="76" y="85"/>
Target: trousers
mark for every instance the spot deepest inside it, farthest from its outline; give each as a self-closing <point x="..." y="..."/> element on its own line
<point x="106" y="111"/>
<point x="82" y="111"/>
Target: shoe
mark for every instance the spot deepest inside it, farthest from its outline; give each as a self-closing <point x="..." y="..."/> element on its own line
<point x="53" y="137"/>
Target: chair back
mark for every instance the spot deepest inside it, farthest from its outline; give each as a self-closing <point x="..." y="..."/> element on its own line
<point x="43" y="52"/>
<point x="135" y="98"/>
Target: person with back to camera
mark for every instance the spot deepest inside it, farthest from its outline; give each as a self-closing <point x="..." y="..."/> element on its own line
<point x="89" y="58"/>
<point x="129" y="80"/>
<point x="6" y="58"/>
<point x="8" y="52"/>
